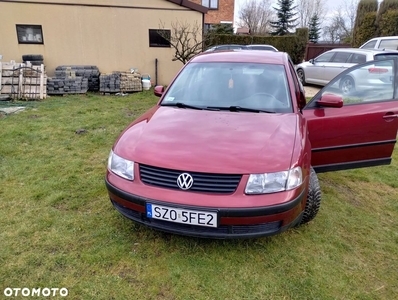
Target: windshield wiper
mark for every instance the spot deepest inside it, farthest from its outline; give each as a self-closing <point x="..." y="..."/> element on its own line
<point x="183" y="105"/>
<point x="240" y="108"/>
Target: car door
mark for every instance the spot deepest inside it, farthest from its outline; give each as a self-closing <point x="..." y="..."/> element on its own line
<point x="335" y="66"/>
<point x="314" y="71"/>
<point x="356" y="129"/>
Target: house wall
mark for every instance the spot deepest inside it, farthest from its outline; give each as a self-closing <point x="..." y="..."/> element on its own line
<point x="111" y="34"/>
<point x="224" y="13"/>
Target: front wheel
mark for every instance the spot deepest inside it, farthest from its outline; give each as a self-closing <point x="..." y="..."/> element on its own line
<point x="301" y="76"/>
<point x="313" y="198"/>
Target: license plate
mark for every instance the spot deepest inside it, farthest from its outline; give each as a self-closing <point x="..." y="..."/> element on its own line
<point x="183" y="216"/>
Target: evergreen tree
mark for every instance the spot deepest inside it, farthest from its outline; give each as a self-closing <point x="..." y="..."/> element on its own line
<point x="222" y="28"/>
<point x="385" y="22"/>
<point x="365" y="19"/>
<point x="314" y="30"/>
<point x="286" y="18"/>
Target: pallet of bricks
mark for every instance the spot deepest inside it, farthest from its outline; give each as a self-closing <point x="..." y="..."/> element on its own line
<point x="120" y="82"/>
<point x="74" y="80"/>
<point x="23" y="81"/>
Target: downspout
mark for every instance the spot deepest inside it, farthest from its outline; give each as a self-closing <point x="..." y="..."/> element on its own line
<point x="203" y="31"/>
<point x="156" y="71"/>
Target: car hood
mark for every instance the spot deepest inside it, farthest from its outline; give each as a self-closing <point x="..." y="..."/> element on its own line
<point x="210" y="141"/>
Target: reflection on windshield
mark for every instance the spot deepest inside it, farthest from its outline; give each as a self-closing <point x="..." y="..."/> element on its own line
<point x="253" y="86"/>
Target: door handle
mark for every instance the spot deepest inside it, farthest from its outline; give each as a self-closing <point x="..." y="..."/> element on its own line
<point x="390" y="116"/>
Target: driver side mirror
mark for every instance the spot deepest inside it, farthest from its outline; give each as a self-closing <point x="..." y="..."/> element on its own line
<point x="311" y="61"/>
<point x="158" y="90"/>
<point x="330" y="100"/>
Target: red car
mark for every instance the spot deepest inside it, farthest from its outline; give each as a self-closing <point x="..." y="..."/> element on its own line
<point x="232" y="149"/>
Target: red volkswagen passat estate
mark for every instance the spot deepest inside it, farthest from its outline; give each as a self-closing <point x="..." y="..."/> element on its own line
<point x="232" y="149"/>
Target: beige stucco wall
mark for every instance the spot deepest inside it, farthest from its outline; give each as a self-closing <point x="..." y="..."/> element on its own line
<point x="110" y="37"/>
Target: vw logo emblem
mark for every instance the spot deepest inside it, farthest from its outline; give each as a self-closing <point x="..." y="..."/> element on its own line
<point x="185" y="181"/>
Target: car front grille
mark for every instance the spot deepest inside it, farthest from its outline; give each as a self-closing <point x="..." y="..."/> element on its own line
<point x="202" y="182"/>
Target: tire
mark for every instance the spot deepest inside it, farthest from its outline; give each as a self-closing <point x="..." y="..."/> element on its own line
<point x="32" y="57"/>
<point x="35" y="62"/>
<point x="313" y="199"/>
<point x="301" y="76"/>
<point x="347" y="85"/>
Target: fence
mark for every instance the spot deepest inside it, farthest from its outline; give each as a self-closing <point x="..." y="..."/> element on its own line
<point x="23" y="81"/>
<point x="313" y="50"/>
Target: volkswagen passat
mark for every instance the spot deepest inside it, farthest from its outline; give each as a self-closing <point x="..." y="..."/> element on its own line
<point x="232" y="149"/>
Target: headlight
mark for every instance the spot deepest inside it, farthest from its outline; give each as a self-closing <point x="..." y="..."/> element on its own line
<point x="120" y="166"/>
<point x="274" y="182"/>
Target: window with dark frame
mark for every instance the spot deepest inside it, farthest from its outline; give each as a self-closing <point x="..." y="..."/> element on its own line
<point x="29" y="34"/>
<point x="211" y="4"/>
<point x="159" y="38"/>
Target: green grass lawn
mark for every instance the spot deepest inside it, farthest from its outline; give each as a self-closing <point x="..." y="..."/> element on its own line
<point x="59" y="229"/>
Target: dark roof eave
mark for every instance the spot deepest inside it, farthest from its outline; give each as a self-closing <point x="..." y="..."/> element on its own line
<point x="190" y="5"/>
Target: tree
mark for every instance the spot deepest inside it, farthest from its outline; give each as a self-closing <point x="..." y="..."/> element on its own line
<point x="385" y="18"/>
<point x="222" y="28"/>
<point x="306" y="9"/>
<point x="186" y="39"/>
<point x="364" y="26"/>
<point x="314" y="29"/>
<point x="286" y="18"/>
<point x="388" y="25"/>
<point x="341" y="26"/>
<point x="256" y="15"/>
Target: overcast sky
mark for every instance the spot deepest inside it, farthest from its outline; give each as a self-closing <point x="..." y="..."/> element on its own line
<point x="330" y="5"/>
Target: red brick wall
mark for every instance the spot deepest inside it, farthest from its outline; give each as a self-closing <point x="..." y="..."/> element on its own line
<point x="225" y="12"/>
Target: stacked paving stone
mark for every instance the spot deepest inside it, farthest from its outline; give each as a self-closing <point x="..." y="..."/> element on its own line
<point x="130" y="82"/>
<point x="66" y="82"/>
<point x="92" y="74"/>
<point x="120" y="82"/>
<point x="110" y="83"/>
<point x="61" y="86"/>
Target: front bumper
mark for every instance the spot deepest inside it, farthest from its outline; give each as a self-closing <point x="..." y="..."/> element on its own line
<point x="233" y="222"/>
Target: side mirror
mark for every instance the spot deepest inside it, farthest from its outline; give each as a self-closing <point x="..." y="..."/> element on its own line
<point x="312" y="61"/>
<point x="158" y="90"/>
<point x="330" y="100"/>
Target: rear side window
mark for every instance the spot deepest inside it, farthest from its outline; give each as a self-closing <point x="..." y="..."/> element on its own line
<point x="370" y="45"/>
<point x="341" y="57"/>
<point x="389" y="44"/>
<point x="358" y="58"/>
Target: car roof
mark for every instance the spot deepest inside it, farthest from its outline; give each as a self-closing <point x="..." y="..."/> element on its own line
<point x="394" y="37"/>
<point x="363" y="51"/>
<point x="262" y="45"/>
<point x="252" y="56"/>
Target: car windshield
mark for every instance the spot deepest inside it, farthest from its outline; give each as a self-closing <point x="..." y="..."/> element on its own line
<point x="248" y="87"/>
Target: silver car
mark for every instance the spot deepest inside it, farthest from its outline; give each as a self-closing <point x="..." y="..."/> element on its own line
<point x="384" y="42"/>
<point x="328" y="65"/>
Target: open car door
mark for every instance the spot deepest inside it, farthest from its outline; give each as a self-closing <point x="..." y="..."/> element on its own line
<point x="353" y="121"/>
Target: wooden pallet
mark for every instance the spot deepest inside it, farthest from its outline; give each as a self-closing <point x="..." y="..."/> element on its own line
<point x="23" y="81"/>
